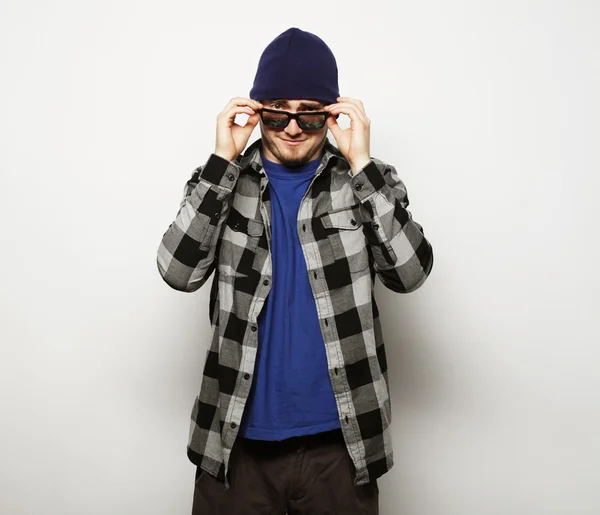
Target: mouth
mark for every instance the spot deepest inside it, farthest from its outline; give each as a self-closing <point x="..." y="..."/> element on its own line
<point x="293" y="143"/>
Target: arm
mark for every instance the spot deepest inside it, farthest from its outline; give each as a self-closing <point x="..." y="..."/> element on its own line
<point x="403" y="256"/>
<point x="186" y="254"/>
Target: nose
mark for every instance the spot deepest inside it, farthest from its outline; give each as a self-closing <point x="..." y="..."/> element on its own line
<point x="293" y="129"/>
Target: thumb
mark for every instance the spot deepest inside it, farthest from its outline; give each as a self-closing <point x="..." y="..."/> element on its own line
<point x="333" y="126"/>
<point x="251" y="123"/>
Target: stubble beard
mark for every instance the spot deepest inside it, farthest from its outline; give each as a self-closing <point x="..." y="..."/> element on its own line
<point x="292" y="156"/>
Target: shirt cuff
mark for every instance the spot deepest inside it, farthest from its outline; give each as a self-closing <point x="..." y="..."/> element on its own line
<point x="367" y="181"/>
<point x="220" y="172"/>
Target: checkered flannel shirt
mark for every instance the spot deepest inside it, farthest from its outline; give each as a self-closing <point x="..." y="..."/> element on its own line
<point x="352" y="229"/>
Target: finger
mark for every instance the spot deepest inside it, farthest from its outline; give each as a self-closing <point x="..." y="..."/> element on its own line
<point x="251" y="122"/>
<point x="232" y="112"/>
<point x="334" y="127"/>
<point x="253" y="119"/>
<point x="358" y="103"/>
<point x="243" y="101"/>
<point x="350" y="110"/>
<point x="344" y="107"/>
<point x="360" y="115"/>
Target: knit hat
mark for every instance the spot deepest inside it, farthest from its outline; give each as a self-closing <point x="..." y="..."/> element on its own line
<point x="297" y="65"/>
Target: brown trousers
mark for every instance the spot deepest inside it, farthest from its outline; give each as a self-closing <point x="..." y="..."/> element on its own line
<point x="304" y="475"/>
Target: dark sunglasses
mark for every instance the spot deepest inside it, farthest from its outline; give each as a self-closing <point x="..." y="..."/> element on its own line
<point x="307" y="121"/>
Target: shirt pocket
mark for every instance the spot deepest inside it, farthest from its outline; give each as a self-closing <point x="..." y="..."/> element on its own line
<point x="344" y="229"/>
<point x="240" y="238"/>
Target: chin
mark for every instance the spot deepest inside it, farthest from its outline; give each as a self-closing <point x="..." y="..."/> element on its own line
<point x="292" y="157"/>
<point x="291" y="163"/>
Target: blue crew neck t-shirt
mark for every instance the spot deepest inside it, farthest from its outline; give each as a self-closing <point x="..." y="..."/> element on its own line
<point x="291" y="394"/>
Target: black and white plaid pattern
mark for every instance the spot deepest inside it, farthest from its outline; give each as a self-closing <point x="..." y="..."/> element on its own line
<point x="352" y="228"/>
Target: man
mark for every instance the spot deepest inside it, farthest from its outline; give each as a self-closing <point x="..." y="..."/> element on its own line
<point x="293" y="414"/>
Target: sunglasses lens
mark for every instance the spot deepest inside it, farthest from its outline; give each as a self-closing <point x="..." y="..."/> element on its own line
<point x="310" y="122"/>
<point x="274" y="120"/>
<point x="307" y="122"/>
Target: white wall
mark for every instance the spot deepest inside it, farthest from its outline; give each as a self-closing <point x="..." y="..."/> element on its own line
<point x="488" y="111"/>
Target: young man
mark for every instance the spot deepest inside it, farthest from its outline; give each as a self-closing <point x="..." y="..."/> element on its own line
<point x="293" y="414"/>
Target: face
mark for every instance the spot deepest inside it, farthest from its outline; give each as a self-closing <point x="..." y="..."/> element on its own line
<point x="306" y="146"/>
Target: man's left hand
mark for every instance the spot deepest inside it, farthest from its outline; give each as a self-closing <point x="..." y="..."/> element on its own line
<point x="354" y="142"/>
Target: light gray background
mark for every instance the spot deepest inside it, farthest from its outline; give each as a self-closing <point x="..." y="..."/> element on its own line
<point x="489" y="111"/>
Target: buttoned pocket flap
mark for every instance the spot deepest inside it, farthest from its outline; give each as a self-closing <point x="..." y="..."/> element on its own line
<point x="347" y="218"/>
<point x="240" y="223"/>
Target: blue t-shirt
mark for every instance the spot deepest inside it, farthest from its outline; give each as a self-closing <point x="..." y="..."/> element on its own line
<point x="291" y="394"/>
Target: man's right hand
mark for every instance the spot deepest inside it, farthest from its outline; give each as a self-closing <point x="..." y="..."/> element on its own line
<point x="232" y="137"/>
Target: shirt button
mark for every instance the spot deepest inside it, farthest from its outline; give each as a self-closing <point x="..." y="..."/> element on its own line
<point x="375" y="226"/>
<point x="266" y="282"/>
<point x="353" y="222"/>
<point x="253" y="328"/>
<point x="231" y="176"/>
<point x="358" y="187"/>
<point x="246" y="376"/>
<point x="233" y="425"/>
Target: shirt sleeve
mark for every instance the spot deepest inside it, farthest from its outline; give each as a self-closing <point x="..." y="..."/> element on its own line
<point x="403" y="258"/>
<point x="186" y="253"/>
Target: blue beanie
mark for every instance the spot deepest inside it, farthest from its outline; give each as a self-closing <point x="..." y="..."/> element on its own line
<point x="297" y="65"/>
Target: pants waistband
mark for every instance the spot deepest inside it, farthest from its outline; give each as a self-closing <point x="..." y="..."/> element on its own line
<point x="294" y="442"/>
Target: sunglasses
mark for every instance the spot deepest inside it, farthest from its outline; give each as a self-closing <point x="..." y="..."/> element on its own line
<point x="307" y="121"/>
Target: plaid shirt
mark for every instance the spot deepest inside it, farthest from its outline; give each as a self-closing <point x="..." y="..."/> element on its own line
<point x="352" y="228"/>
